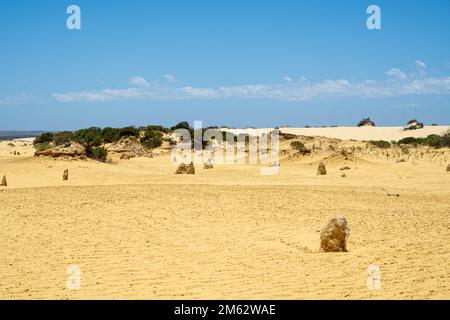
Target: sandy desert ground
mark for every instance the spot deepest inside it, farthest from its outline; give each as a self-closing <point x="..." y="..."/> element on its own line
<point x="137" y="231"/>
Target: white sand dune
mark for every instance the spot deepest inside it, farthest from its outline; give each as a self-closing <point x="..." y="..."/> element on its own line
<point x="355" y="133"/>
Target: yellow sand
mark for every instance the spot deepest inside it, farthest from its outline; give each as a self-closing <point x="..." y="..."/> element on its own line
<point x="136" y="230"/>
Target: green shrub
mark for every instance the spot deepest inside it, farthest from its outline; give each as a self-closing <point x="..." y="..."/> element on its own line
<point x="300" y="147"/>
<point x="381" y="144"/>
<point x="152" y="139"/>
<point x="445" y="142"/>
<point x="129" y="132"/>
<point x="88" y="136"/>
<point x="297" y="145"/>
<point x="409" y="140"/>
<point x="43" y="146"/>
<point x="181" y="125"/>
<point x="433" y="140"/>
<point x="157" y="128"/>
<point x="100" y="154"/>
<point x="63" y="137"/>
<point x="439" y="141"/>
<point x="109" y="135"/>
<point x="43" y="138"/>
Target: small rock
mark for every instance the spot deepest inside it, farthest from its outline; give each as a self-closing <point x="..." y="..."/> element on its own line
<point x="366" y="123"/>
<point x="69" y="149"/>
<point x="4" y="183"/>
<point x="126" y="156"/>
<point x="208" y="165"/>
<point x="321" y="170"/>
<point x="413" y="125"/>
<point x="333" y="238"/>
<point x="66" y="175"/>
<point x="186" y="168"/>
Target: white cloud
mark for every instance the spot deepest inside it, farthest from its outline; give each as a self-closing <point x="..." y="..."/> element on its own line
<point x="396" y="73"/>
<point x="421" y="64"/>
<point x="301" y="90"/>
<point x="170" y="78"/>
<point x="287" y="79"/>
<point x="102" y="95"/>
<point x="199" y="92"/>
<point x="139" y="81"/>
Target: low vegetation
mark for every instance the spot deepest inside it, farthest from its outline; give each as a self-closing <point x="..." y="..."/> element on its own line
<point x="152" y="139"/>
<point x="43" y="138"/>
<point x="93" y="139"/>
<point x="299" y="147"/>
<point x="43" y="146"/>
<point x="381" y="144"/>
<point x="433" y="140"/>
<point x="100" y="154"/>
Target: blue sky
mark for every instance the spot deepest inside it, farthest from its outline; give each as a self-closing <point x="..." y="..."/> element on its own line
<point x="225" y="62"/>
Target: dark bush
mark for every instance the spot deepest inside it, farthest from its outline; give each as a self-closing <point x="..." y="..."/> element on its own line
<point x="181" y="125"/>
<point x="443" y="142"/>
<point x="100" y="154"/>
<point x="409" y="140"/>
<point x="381" y="144"/>
<point x="63" y="137"/>
<point x="433" y="140"/>
<point x="297" y="145"/>
<point x="109" y="134"/>
<point x="152" y="139"/>
<point x="88" y="136"/>
<point x="129" y="132"/>
<point x="43" y="146"/>
<point x="300" y="147"/>
<point x="157" y="128"/>
<point x="446" y="140"/>
<point x="44" y="138"/>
